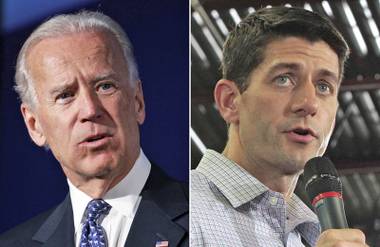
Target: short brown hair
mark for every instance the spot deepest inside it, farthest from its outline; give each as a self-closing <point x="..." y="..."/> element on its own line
<point x="245" y="46"/>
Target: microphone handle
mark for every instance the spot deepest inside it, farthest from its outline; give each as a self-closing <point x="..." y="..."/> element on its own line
<point x="331" y="213"/>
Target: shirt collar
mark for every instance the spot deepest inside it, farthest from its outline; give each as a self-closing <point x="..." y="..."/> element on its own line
<point x="235" y="183"/>
<point x="299" y="212"/>
<point x="304" y="220"/>
<point x="240" y="187"/>
<point x="122" y="197"/>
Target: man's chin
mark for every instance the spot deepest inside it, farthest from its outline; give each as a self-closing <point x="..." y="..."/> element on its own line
<point x="294" y="164"/>
<point x="300" y="154"/>
<point x="100" y="173"/>
<point x="98" y="167"/>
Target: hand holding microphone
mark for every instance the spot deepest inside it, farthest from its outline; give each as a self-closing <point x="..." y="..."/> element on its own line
<point x="324" y="189"/>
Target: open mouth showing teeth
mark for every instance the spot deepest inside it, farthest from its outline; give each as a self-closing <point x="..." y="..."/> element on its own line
<point x="302" y="132"/>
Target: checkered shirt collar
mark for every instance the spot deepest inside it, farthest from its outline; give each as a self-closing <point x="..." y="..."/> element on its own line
<point x="235" y="183"/>
<point x="240" y="187"/>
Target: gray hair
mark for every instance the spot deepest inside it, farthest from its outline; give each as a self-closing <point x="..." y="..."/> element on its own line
<point x="62" y="25"/>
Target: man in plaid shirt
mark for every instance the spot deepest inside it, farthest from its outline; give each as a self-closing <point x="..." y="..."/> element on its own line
<point x="282" y="69"/>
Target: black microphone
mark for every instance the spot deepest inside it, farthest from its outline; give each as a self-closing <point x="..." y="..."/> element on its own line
<point x="324" y="189"/>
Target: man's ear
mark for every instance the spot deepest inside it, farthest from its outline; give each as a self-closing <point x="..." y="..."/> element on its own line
<point x="225" y="95"/>
<point x="33" y="125"/>
<point x="139" y="103"/>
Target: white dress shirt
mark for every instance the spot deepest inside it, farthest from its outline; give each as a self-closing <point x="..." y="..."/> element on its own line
<point x="124" y="199"/>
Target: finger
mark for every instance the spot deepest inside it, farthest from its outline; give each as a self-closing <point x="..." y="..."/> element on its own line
<point x="349" y="235"/>
<point x="348" y="244"/>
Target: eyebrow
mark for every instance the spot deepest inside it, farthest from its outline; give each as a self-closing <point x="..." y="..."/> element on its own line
<point x="60" y="88"/>
<point x="105" y="76"/>
<point x="328" y="73"/>
<point x="291" y="66"/>
<point x="65" y="85"/>
<point x="297" y="67"/>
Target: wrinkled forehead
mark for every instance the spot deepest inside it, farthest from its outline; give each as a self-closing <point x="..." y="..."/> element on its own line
<point x="74" y="43"/>
<point x="94" y="49"/>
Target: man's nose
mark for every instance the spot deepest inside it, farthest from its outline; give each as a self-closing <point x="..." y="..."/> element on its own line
<point x="305" y="100"/>
<point x="90" y="107"/>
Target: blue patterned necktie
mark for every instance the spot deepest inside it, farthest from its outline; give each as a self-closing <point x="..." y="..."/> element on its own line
<point x="93" y="234"/>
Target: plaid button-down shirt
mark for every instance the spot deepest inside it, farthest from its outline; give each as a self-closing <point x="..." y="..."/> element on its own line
<point x="230" y="207"/>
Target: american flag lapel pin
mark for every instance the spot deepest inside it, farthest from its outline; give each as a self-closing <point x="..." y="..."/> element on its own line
<point x="162" y="243"/>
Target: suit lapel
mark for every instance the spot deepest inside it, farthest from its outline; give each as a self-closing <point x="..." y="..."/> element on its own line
<point x="162" y="203"/>
<point x="152" y="225"/>
<point x="58" y="229"/>
<point x="160" y="217"/>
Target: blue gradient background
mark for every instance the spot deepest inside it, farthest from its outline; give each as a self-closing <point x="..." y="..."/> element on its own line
<point x="31" y="180"/>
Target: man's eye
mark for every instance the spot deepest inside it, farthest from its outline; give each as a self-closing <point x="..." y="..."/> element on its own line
<point x="282" y="80"/>
<point x="106" y="88"/>
<point x="64" y="97"/>
<point x="324" y="88"/>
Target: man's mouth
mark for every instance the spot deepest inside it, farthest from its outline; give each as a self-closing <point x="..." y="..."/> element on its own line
<point x="95" y="138"/>
<point x="96" y="141"/>
<point x="302" y="132"/>
<point x="301" y="135"/>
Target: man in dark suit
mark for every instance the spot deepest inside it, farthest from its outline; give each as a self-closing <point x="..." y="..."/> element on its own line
<point x="82" y="98"/>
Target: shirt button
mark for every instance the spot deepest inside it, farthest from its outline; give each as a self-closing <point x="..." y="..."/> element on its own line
<point x="273" y="200"/>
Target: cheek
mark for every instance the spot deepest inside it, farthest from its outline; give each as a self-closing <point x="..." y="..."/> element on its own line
<point x="123" y="112"/>
<point x="261" y="117"/>
<point x="267" y="111"/>
<point x="329" y="121"/>
<point x="326" y="130"/>
<point x="329" y="127"/>
<point x="124" y="116"/>
<point x="57" y="129"/>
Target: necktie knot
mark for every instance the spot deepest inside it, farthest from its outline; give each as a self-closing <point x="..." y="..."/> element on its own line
<point x="96" y="208"/>
<point x="93" y="234"/>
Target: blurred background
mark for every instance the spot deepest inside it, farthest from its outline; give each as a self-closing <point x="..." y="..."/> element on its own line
<point x="355" y="143"/>
<point x="30" y="178"/>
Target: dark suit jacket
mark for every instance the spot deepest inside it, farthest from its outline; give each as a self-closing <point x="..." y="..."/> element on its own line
<point x="163" y="214"/>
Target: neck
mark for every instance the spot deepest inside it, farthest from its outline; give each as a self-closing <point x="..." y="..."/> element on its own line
<point x="96" y="187"/>
<point x="266" y="173"/>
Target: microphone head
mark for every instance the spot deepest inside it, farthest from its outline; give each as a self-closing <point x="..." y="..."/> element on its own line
<point x="320" y="176"/>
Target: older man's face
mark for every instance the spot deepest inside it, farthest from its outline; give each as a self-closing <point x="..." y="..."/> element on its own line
<point x="87" y="111"/>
